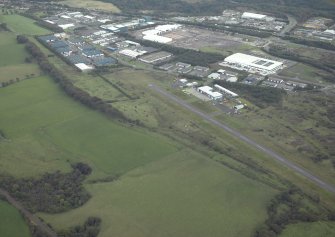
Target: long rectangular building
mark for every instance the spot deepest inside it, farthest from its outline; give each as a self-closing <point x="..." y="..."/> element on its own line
<point x="252" y="63"/>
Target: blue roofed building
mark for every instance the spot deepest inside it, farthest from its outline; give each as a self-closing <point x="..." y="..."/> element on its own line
<point x="91" y="53"/>
<point x="104" y="61"/>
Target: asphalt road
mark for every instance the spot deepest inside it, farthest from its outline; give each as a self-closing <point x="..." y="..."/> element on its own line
<point x="292" y="23"/>
<point x="269" y="152"/>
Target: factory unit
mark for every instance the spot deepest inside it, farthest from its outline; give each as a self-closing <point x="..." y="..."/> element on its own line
<point x="253" y="64"/>
<point x="208" y="91"/>
<point x="225" y="91"/>
<point x="255" y="16"/>
<point x="155" y="34"/>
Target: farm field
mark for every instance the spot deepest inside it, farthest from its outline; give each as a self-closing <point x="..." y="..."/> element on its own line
<point x="184" y="194"/>
<point x="12" y="60"/>
<point x="324" y="229"/>
<point x="51" y="130"/>
<point x="11" y="222"/>
<point x="92" y="4"/>
<point x="22" y="25"/>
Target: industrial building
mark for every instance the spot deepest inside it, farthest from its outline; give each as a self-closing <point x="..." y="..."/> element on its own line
<point x="252" y="64"/>
<point x="255" y="16"/>
<point x="155" y="34"/>
<point x="208" y="91"/>
<point x="157" y="57"/>
<point x="225" y="91"/>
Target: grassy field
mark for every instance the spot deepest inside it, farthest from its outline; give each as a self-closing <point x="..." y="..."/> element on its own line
<point x="22" y="25"/>
<point x="304" y="72"/>
<point x="321" y="229"/>
<point x="92" y="4"/>
<point x="50" y="129"/>
<point x="11" y="222"/>
<point x="182" y="195"/>
<point x="12" y="59"/>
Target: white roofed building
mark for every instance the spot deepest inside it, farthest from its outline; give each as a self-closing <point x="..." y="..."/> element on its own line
<point x="250" y="15"/>
<point x="252" y="64"/>
<point x="208" y="91"/>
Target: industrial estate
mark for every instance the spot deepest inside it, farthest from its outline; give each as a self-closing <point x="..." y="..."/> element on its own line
<point x="183" y="118"/>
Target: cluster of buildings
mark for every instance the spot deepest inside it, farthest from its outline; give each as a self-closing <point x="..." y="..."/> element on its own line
<point x="77" y="51"/>
<point x="224" y="75"/>
<point x="317" y="28"/>
<point x="216" y="93"/>
<point x="128" y="25"/>
<point x="252" y="64"/>
<point x="281" y="84"/>
<point x="186" y="69"/>
<point x="70" y="20"/>
<point x="238" y="18"/>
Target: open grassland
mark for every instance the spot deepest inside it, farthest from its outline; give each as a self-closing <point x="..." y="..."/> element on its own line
<point x="92" y="4"/>
<point x="12" y="60"/>
<point x="304" y="72"/>
<point x="299" y="129"/>
<point x="44" y="129"/>
<point x="162" y="191"/>
<point x="322" y="229"/>
<point x="11" y="222"/>
<point x="22" y="25"/>
<point x="11" y="52"/>
<point x="182" y="195"/>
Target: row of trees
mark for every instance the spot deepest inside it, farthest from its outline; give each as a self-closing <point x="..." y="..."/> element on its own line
<point x="290" y="207"/>
<point x="283" y="52"/>
<point x="70" y="89"/>
<point x="260" y="96"/>
<point x="230" y="28"/>
<point x="91" y="228"/>
<point x="312" y="43"/>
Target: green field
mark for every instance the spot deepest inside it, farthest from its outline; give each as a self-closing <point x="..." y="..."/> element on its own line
<point x="22" y="25"/>
<point x="12" y="59"/>
<point x="165" y="189"/>
<point x="50" y="129"/>
<point x="320" y="229"/>
<point x="11" y="222"/>
<point x="182" y="195"/>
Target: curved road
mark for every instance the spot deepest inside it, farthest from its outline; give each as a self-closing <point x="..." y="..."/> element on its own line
<point x="292" y="23"/>
<point x="277" y="157"/>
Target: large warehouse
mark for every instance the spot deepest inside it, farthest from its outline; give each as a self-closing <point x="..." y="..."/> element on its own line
<point x="255" y="16"/>
<point x="155" y="34"/>
<point x="252" y="63"/>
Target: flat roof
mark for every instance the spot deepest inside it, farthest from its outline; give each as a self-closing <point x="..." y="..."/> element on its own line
<point x="252" y="15"/>
<point x="253" y="61"/>
<point x="83" y="66"/>
<point x="157" y="38"/>
<point x="209" y="91"/>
